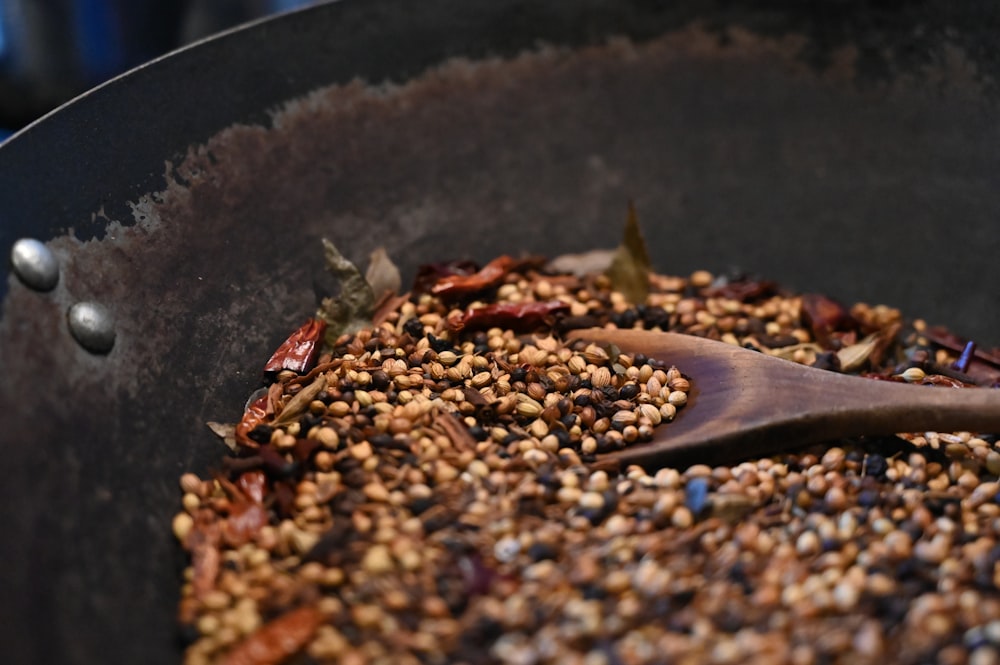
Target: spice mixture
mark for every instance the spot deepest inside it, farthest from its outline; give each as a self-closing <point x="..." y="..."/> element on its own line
<point x="430" y="488"/>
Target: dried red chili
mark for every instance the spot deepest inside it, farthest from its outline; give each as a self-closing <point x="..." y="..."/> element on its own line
<point x="742" y="290"/>
<point x="203" y="543"/>
<point x="256" y="414"/>
<point x="277" y="640"/>
<point x="430" y="274"/>
<point x="457" y="286"/>
<point x="253" y="485"/>
<point x="824" y="316"/>
<point x="520" y="317"/>
<point x="298" y="353"/>
<point x="244" y="522"/>
<point x="246" y="513"/>
<point x="941" y="380"/>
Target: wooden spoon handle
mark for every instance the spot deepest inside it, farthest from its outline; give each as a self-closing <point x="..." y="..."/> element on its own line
<point x="869" y="406"/>
<point x="743" y="403"/>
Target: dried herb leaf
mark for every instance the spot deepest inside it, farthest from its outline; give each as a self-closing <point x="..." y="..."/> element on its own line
<point x="788" y="352"/>
<point x="300" y="401"/>
<point x="630" y="267"/>
<point x="382" y="274"/>
<point x="226" y="432"/>
<point x="352" y="309"/>
<point x="853" y="357"/>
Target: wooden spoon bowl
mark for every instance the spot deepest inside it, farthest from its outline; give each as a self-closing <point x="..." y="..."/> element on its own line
<point x="743" y="403"/>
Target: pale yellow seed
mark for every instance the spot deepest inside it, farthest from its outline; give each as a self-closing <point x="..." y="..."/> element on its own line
<point x="682" y="518"/>
<point x="577" y="364"/>
<point x="538" y="428"/>
<point x="303" y="541"/>
<point x="363" y="398"/>
<point x="601" y="377"/>
<point x="377" y="560"/>
<point x="328" y="437"/>
<point x="361" y="451"/>
<point x="458" y="372"/>
<point x="339" y="409"/>
<point x="528" y="407"/>
<point x="701" y="278"/>
<point x="651" y="413"/>
<point x="624" y="417"/>
<point x="216" y="600"/>
<point x="568" y="494"/>
<point x="182" y="525"/>
<point x="536" y="457"/>
<point x="481" y="380"/>
<point x="376" y="492"/>
<point x="191" y="502"/>
<point x="208" y="624"/>
<point x="677" y="398"/>
<point x="190" y="483"/>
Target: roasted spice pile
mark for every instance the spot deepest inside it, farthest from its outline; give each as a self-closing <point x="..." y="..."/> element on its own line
<point x="431" y="489"/>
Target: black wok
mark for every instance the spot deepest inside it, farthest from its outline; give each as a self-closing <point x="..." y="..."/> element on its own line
<point x="851" y="148"/>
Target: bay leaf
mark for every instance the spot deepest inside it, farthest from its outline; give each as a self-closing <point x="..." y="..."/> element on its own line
<point x="226" y="432"/>
<point x="630" y="266"/>
<point x="382" y="274"/>
<point x="352" y="308"/>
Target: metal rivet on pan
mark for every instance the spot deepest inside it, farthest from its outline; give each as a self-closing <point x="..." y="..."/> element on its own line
<point x="35" y="264"/>
<point x="92" y="326"/>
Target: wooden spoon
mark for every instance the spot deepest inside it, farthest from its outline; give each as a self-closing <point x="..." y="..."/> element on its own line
<point x="743" y="403"/>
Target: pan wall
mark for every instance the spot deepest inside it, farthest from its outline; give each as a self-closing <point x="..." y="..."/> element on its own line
<point x="852" y="152"/>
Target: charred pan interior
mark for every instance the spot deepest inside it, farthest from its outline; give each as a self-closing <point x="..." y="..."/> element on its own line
<point x="850" y="151"/>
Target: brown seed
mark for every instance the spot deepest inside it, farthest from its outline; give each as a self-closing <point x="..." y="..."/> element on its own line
<point x="601" y="426"/>
<point x="536" y="391"/>
<point x="679" y="383"/>
<point x="624" y="417"/>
